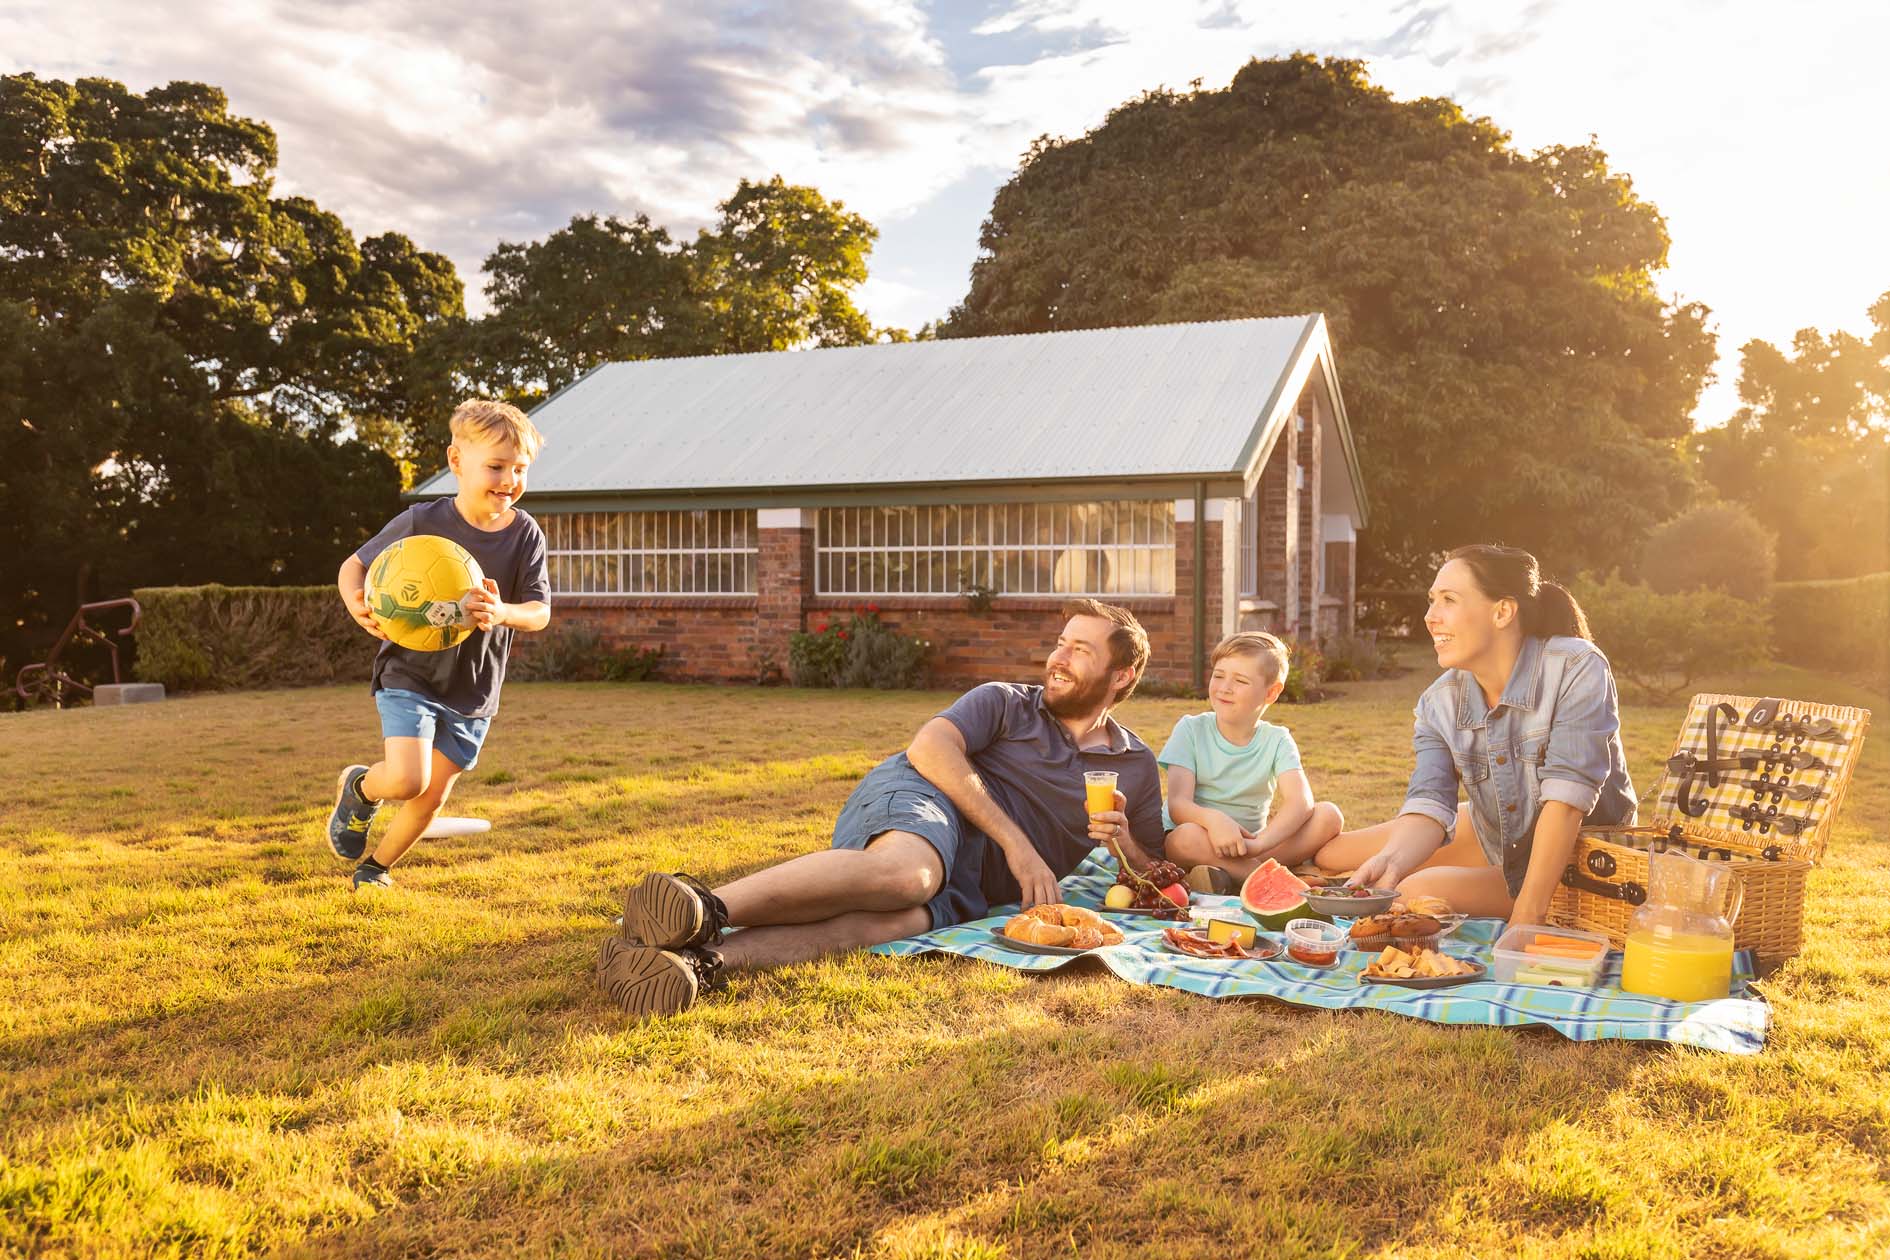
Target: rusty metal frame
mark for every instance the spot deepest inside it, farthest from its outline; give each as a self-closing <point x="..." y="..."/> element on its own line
<point x="48" y="681"/>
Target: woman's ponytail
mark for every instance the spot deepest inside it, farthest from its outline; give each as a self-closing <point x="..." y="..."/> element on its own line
<point x="1546" y="609"/>
<point x="1552" y="611"/>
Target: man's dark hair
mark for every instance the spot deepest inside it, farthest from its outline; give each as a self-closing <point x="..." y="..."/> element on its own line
<point x="1128" y="642"/>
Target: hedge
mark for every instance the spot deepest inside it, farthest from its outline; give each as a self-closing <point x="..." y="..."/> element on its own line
<point x="1839" y="624"/>
<point x="229" y="638"/>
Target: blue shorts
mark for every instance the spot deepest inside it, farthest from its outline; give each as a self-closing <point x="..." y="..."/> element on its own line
<point x="410" y="715"/>
<point x="895" y="797"/>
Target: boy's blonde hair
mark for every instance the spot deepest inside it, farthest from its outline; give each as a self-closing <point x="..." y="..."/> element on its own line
<point x="1272" y="653"/>
<point x="486" y="420"/>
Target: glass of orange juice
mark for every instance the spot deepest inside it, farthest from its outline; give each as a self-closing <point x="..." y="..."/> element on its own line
<point x="1099" y="790"/>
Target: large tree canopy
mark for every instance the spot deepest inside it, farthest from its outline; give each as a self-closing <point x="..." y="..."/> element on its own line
<point x="1809" y="453"/>
<point x="1510" y="372"/>
<point x="184" y="356"/>
<point x="776" y="271"/>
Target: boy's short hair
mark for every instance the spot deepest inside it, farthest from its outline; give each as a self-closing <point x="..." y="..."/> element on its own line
<point x="1274" y="661"/>
<point x="491" y="421"/>
<point x="1128" y="642"/>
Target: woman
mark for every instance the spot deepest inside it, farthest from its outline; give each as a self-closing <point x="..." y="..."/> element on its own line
<point x="1525" y="719"/>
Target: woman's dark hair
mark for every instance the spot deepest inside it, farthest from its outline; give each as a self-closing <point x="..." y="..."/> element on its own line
<point x="1511" y="573"/>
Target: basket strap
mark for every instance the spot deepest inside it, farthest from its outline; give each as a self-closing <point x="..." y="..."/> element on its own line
<point x="1602" y="864"/>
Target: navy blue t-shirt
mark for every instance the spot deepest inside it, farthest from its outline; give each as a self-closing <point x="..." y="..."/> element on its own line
<point x="465" y="678"/>
<point x="1034" y="771"/>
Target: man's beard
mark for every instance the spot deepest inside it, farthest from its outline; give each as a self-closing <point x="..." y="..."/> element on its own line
<point x="1081" y="699"/>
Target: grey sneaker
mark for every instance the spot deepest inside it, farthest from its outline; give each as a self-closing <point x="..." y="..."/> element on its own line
<point x="645" y="981"/>
<point x="371" y="875"/>
<point x="353" y="815"/>
<point x="673" y="912"/>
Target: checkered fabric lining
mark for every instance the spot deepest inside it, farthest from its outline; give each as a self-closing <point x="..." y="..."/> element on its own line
<point x="1753" y="808"/>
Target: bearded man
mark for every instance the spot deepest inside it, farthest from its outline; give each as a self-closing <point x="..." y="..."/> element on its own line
<point x="986" y="806"/>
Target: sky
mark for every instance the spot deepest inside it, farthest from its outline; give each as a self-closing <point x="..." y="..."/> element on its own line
<point x="1756" y="127"/>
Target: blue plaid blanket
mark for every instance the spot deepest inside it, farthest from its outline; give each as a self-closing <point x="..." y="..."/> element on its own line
<point x="1736" y="1024"/>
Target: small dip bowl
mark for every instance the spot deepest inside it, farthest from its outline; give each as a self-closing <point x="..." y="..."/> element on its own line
<point x="1314" y="942"/>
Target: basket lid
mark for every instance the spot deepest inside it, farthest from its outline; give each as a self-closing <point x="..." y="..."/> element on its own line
<point x="1760" y="774"/>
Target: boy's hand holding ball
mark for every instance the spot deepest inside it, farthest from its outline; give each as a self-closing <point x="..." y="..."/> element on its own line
<point x="483" y="605"/>
<point x="356" y="600"/>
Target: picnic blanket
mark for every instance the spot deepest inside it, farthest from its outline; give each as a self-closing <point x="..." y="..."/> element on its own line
<point x="1736" y="1024"/>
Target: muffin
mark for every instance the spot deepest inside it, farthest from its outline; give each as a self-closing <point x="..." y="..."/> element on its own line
<point x="1371" y="932"/>
<point x="1412" y="932"/>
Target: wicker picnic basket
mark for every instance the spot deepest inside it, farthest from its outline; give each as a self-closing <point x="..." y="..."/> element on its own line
<point x="1753" y="783"/>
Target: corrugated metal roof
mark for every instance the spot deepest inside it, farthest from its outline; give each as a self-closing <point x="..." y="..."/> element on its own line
<point x="1167" y="399"/>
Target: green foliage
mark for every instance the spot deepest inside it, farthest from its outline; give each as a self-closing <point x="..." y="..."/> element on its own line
<point x="777" y="270"/>
<point x="580" y="654"/>
<point x="1496" y="314"/>
<point x="1660" y="643"/>
<point x="1809" y="453"/>
<point x="1356" y="658"/>
<point x="181" y="351"/>
<point x="1716" y="546"/>
<point x="231" y="638"/>
<point x="1306" y="670"/>
<point x="1842" y="625"/>
<point x="860" y="651"/>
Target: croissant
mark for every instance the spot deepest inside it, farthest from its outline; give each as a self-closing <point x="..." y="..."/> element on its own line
<point x="1036" y="932"/>
<point x="1085" y="938"/>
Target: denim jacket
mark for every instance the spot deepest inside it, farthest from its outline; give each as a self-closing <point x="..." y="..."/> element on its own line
<point x="1554" y="735"/>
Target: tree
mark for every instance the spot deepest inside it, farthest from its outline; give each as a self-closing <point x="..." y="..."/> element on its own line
<point x="776" y="271"/>
<point x="1714" y="546"/>
<point x="195" y="373"/>
<point x="1809" y="453"/>
<point x="1510" y="372"/>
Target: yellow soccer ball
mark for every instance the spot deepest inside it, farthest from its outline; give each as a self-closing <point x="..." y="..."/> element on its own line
<point x="416" y="591"/>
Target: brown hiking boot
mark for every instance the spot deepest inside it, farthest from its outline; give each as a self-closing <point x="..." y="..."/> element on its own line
<point x="646" y="981"/>
<point x="673" y="912"/>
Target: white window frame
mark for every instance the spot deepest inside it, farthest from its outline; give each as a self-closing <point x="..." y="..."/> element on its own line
<point x="920" y="550"/>
<point x="689" y="552"/>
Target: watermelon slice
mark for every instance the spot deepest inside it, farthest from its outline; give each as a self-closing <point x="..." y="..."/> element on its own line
<point x="1274" y="895"/>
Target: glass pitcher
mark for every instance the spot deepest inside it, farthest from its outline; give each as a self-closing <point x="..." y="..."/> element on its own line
<point x="1680" y="940"/>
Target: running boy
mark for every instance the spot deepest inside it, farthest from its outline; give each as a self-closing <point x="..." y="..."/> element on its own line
<point x="435" y="706"/>
<point x="1225" y="767"/>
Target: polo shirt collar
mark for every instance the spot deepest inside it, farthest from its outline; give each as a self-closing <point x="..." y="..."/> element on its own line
<point x="1118" y="738"/>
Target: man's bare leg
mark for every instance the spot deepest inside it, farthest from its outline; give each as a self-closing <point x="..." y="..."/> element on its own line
<point x="757" y="948"/>
<point x="895" y="871"/>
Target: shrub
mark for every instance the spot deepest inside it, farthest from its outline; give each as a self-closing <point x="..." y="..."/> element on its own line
<point x="861" y="651"/>
<point x="1718" y="546"/>
<point x="225" y="638"/>
<point x="1660" y="643"/>
<point x="1306" y="670"/>
<point x="1355" y="658"/>
<point x="1842" y="625"/>
<point x="579" y="654"/>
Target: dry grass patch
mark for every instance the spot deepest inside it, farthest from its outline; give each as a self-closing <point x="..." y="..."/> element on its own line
<point x="208" y="1047"/>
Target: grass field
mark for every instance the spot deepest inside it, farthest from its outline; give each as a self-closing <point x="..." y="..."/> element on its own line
<point x="208" y="1047"/>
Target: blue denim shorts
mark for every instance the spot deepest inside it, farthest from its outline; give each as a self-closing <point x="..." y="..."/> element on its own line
<point x="895" y="797"/>
<point x="410" y="715"/>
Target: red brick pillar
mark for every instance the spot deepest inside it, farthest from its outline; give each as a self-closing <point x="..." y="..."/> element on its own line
<point x="1278" y="542"/>
<point x="784" y="581"/>
<point x="1311" y="554"/>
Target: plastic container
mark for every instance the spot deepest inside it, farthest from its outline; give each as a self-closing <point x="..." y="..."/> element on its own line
<point x="1562" y="956"/>
<point x="1314" y="942"/>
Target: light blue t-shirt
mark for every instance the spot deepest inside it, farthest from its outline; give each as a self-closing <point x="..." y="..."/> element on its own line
<point x="1236" y="779"/>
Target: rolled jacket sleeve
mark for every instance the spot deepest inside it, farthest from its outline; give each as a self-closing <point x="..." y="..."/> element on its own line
<point x="1587" y="715"/>
<point x="1433" y="788"/>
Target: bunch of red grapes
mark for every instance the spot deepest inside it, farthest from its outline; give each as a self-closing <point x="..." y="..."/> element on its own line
<point x="1160" y="890"/>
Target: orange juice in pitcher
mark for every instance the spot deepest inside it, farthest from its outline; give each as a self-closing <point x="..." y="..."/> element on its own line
<point x="1679" y="943"/>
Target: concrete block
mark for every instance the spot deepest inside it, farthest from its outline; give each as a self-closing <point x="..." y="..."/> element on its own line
<point x="127" y="693"/>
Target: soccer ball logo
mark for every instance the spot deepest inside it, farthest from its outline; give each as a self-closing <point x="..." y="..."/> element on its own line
<point x="415" y="590"/>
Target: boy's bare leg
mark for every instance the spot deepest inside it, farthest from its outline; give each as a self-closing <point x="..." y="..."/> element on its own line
<point x="896" y="872"/>
<point x="419" y="810"/>
<point x="402" y="772"/>
<point x="755" y="948"/>
<point x="1321" y="826"/>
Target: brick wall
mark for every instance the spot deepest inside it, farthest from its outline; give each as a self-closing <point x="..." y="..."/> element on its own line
<point x="1307" y="456"/>
<point x="1279" y="527"/>
<point x="704" y="638"/>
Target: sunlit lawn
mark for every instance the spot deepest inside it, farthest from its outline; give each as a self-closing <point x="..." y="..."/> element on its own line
<point x="207" y="1046"/>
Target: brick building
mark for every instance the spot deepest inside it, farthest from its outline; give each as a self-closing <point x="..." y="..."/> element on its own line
<point x="714" y="506"/>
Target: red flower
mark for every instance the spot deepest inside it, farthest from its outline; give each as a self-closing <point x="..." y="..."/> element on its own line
<point x="821" y="628"/>
<point x="843" y="634"/>
<point x="872" y="608"/>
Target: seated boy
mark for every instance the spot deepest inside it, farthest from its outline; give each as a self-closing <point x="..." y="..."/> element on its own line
<point x="1224" y="768"/>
